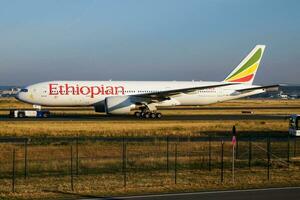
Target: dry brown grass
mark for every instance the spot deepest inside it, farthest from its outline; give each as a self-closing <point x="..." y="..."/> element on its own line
<point x="133" y="128"/>
<point x="146" y="169"/>
<point x="139" y="183"/>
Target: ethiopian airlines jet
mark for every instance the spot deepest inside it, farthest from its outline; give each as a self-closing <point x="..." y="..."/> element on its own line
<point x="121" y="97"/>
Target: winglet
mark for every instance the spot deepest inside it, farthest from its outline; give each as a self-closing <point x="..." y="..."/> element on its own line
<point x="246" y="70"/>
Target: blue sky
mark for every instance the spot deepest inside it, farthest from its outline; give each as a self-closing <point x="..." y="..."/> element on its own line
<point x="146" y="40"/>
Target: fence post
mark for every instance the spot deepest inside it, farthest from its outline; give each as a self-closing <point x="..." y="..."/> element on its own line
<point x="295" y="146"/>
<point x="71" y="168"/>
<point x="250" y="152"/>
<point x="288" y="149"/>
<point x="13" y="170"/>
<point x="269" y="155"/>
<point x="175" y="165"/>
<point x="222" y="161"/>
<point x="167" y="153"/>
<point x="124" y="168"/>
<point x="209" y="153"/>
<point x="189" y="151"/>
<point x="77" y="157"/>
<point x="237" y="147"/>
<point x="237" y="142"/>
<point x="25" y="158"/>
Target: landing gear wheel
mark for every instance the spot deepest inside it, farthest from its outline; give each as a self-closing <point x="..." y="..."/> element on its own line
<point x="21" y="114"/>
<point x="138" y="114"/>
<point x="147" y="115"/>
<point x="142" y="115"/>
<point x="153" y="115"/>
<point x="158" y="115"/>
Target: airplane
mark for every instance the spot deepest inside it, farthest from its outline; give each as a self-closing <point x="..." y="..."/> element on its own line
<point x="123" y="97"/>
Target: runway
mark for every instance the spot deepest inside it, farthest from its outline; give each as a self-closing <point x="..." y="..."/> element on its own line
<point x="195" y="117"/>
<point x="288" y="193"/>
<point x="88" y="114"/>
<point x="255" y="194"/>
<point x="177" y="108"/>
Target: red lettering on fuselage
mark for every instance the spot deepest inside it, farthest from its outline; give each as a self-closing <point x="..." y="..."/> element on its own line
<point x="95" y="90"/>
<point x="85" y="90"/>
<point x="53" y="89"/>
<point x="109" y="90"/>
<point x="61" y="91"/>
<point x="119" y="89"/>
<point x="92" y="91"/>
<point x="70" y="89"/>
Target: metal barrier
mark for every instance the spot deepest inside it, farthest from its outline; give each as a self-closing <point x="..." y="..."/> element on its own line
<point x="141" y="162"/>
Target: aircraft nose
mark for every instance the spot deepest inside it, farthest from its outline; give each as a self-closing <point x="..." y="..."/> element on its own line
<point x="17" y="96"/>
<point x="21" y="95"/>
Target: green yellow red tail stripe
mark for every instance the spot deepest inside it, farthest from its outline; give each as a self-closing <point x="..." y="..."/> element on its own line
<point x="246" y="71"/>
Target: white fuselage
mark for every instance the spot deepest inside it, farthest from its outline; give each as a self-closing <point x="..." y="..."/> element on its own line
<point x="90" y="93"/>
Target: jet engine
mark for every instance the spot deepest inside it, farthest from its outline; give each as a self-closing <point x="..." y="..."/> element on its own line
<point x="100" y="107"/>
<point x="118" y="105"/>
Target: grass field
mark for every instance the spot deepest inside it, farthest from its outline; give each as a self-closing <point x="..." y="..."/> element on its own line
<point x="101" y="169"/>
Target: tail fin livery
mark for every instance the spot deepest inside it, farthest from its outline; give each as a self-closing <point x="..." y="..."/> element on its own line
<point x="246" y="70"/>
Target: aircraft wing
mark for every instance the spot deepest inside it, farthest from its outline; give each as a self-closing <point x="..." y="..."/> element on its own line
<point x="268" y="88"/>
<point x="168" y="93"/>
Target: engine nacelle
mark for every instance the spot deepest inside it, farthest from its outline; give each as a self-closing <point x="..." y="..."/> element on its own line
<point x="100" y="107"/>
<point x="118" y="105"/>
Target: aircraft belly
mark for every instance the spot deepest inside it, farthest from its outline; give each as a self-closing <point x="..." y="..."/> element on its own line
<point x="67" y="101"/>
<point x="196" y="99"/>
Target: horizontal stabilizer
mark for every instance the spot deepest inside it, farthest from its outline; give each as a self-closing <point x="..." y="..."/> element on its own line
<point x="268" y="88"/>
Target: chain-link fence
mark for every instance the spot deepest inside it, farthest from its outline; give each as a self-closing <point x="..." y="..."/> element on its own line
<point x="96" y="163"/>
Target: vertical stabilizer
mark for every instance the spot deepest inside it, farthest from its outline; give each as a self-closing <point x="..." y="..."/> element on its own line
<point x="246" y="70"/>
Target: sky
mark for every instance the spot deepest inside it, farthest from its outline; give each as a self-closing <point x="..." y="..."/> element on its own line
<point x="146" y="39"/>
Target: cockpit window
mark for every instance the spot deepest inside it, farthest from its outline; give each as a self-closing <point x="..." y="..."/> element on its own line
<point x="24" y="90"/>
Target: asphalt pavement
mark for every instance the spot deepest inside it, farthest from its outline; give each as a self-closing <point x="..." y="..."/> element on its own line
<point x="288" y="193"/>
<point x="101" y="117"/>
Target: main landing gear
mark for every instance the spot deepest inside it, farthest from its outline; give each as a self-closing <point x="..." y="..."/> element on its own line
<point x="148" y="115"/>
<point x="148" y="111"/>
